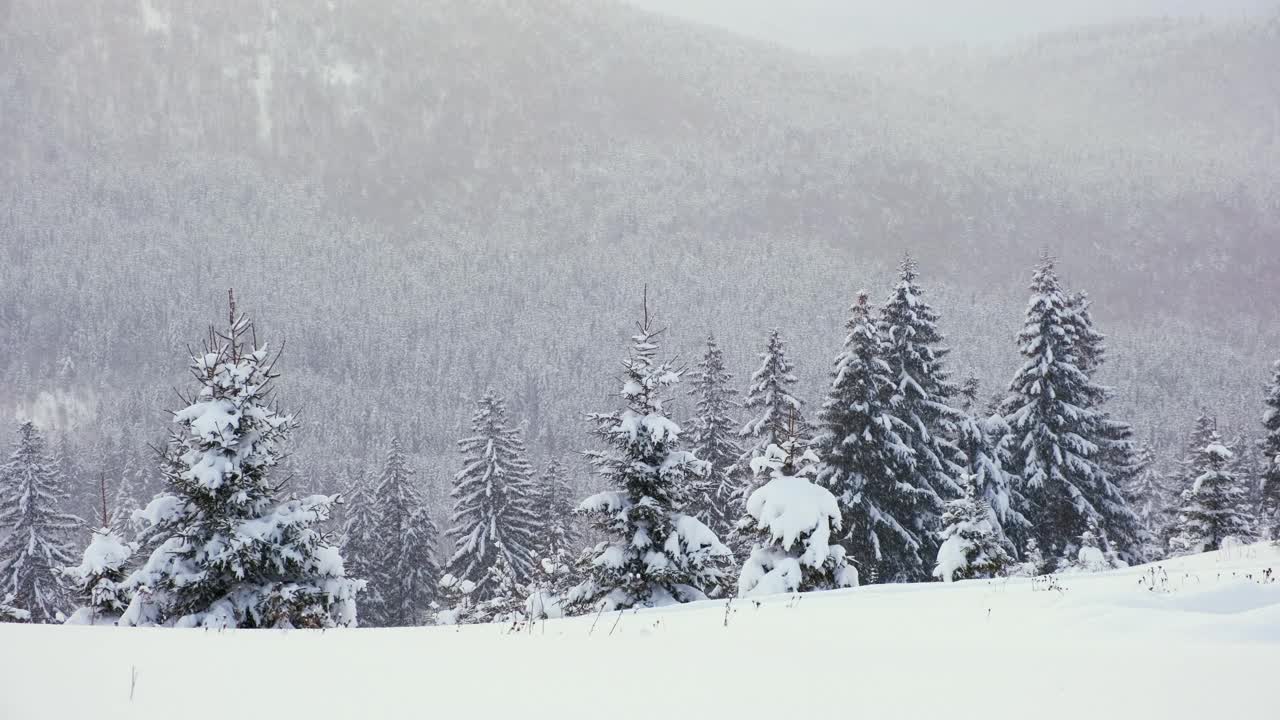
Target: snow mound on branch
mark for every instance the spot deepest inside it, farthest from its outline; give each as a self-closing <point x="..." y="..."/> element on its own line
<point x="106" y="551"/>
<point x="791" y="507"/>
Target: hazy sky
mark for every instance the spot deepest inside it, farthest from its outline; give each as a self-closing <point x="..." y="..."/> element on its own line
<point x="833" y="26"/>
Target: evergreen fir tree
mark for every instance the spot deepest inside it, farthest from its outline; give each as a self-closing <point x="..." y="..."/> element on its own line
<point x="915" y="354"/>
<point x="792" y="521"/>
<point x="769" y="398"/>
<point x="1055" y="430"/>
<point x="715" y="497"/>
<point x="493" y="501"/>
<point x="863" y="454"/>
<point x="972" y="543"/>
<point x="654" y="553"/>
<point x="36" y="535"/>
<point x="984" y="442"/>
<point x="1269" y="506"/>
<point x="405" y="571"/>
<point x="1149" y="497"/>
<point x="1211" y="509"/>
<point x="363" y="545"/>
<point x="227" y="552"/>
<point x="97" y="583"/>
<point x="124" y="503"/>
<point x="560" y="537"/>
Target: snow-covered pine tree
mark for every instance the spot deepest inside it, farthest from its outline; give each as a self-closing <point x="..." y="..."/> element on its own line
<point x="507" y="595"/>
<point x="124" y="503"/>
<point x="405" y="570"/>
<point x="792" y="521"/>
<point x="654" y="553"/>
<point x="769" y="398"/>
<point x="36" y="534"/>
<point x="1149" y="497"/>
<point x="1269" y="509"/>
<point x="1055" y="431"/>
<point x="712" y="439"/>
<point x="984" y="441"/>
<point x="559" y="530"/>
<point x="364" y="545"/>
<point x="227" y="552"/>
<point x="863" y="455"/>
<point x="972" y="543"/>
<point x="410" y="587"/>
<point x="493" y="498"/>
<point x="1211" y="510"/>
<point x="97" y="583"/>
<point x="915" y="354"/>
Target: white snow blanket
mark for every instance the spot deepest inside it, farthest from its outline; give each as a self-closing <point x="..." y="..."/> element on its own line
<point x="1199" y="638"/>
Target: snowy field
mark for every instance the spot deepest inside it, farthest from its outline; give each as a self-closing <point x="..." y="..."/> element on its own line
<point x="1204" y="644"/>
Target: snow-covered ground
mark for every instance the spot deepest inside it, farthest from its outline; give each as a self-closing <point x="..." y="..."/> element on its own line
<point x="1205" y="644"/>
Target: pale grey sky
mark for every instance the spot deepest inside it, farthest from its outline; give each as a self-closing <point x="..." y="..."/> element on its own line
<point x="834" y="26"/>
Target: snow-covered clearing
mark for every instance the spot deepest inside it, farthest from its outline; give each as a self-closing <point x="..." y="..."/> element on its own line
<point x="1205" y="645"/>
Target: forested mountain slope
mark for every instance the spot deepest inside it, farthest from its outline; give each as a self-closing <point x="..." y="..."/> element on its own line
<point x="426" y="198"/>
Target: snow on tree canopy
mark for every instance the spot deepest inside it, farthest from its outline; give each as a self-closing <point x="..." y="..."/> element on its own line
<point x="791" y="520"/>
<point x="712" y="436"/>
<point x="493" y="496"/>
<point x="36" y="535"/>
<point x="654" y="553"/>
<point x="227" y="552"/>
<point x="98" y="580"/>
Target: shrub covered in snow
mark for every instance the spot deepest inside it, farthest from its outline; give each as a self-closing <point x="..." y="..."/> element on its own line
<point x="791" y="521"/>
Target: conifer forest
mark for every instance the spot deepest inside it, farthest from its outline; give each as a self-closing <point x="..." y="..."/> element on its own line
<point x="609" y="339"/>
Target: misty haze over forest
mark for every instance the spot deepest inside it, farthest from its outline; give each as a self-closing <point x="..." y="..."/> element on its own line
<point x="422" y="220"/>
<point x="389" y="313"/>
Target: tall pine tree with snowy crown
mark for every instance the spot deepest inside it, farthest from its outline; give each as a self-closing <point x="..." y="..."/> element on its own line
<point x="770" y="399"/>
<point x="36" y="534"/>
<point x="654" y="553"/>
<point x="1056" y="431"/>
<point x="405" y="572"/>
<point x="227" y="552"/>
<point x="915" y="354"/>
<point x="713" y="440"/>
<point x="493" y="498"/>
<point x="863" y="454"/>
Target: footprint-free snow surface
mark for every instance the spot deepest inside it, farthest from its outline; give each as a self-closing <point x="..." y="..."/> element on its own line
<point x="1196" y="637"/>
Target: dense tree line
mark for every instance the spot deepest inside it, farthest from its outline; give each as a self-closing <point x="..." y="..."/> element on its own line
<point x="901" y="476"/>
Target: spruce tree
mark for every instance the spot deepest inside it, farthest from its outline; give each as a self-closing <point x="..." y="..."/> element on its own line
<point x="654" y="553"/>
<point x="864" y="456"/>
<point x="1148" y="495"/>
<point x="363" y="545"/>
<point x="558" y="527"/>
<point x="36" y="535"/>
<point x="793" y="523"/>
<point x="985" y="444"/>
<point x="1269" y="504"/>
<point x="1212" y="508"/>
<point x="915" y="354"/>
<point x="972" y="544"/>
<point x="773" y="406"/>
<point x="493" y="498"/>
<point x="97" y="583"/>
<point x="1056" y="431"/>
<point x="227" y="552"/>
<point x="405" y="571"/>
<point x="715" y="497"/>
